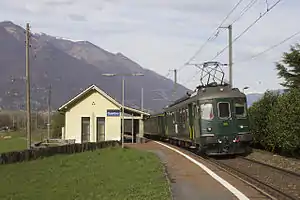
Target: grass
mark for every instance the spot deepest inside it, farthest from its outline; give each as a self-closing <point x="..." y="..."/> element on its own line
<point x="12" y="144"/>
<point x="18" y="140"/>
<point x="106" y="174"/>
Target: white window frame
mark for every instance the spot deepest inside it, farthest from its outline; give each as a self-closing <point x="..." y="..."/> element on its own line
<point x="219" y="110"/>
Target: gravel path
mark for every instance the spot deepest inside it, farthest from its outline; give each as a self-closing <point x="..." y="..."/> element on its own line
<point x="285" y="182"/>
<point x="291" y="164"/>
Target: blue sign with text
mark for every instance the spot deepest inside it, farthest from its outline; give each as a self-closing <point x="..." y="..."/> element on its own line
<point x="113" y="113"/>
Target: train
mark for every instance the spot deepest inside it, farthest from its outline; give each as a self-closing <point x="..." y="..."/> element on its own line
<point x="213" y="120"/>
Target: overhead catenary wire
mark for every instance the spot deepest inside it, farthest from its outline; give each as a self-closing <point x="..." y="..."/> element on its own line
<point x="214" y="34"/>
<point x="241" y="34"/>
<point x="246" y="9"/>
<point x="271" y="47"/>
<point x="246" y="30"/>
<point x="211" y="37"/>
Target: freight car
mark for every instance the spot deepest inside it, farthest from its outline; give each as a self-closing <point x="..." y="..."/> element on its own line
<point x="213" y="120"/>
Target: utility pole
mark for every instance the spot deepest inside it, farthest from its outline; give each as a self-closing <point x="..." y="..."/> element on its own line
<point x="37" y="118"/>
<point x="28" y="88"/>
<point x="13" y="120"/>
<point x="123" y="124"/>
<point x="49" y="112"/>
<point x="175" y="84"/>
<point x="132" y="129"/>
<point x="123" y="98"/>
<point x="142" y="99"/>
<point x="230" y="55"/>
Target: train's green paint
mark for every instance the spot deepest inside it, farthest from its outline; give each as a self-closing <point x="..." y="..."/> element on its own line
<point x="214" y="119"/>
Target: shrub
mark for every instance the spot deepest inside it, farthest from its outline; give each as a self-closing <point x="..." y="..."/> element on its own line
<point x="258" y="115"/>
<point x="284" y="124"/>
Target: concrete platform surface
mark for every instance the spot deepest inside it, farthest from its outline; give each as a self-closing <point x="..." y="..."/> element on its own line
<point x="191" y="182"/>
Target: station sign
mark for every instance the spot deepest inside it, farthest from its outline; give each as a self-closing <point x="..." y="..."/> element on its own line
<point x="113" y="113"/>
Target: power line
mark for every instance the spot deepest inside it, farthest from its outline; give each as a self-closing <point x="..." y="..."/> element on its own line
<point x="214" y="34"/>
<point x="272" y="47"/>
<point x="251" y="25"/>
<point x="249" y="5"/>
<point x="260" y="53"/>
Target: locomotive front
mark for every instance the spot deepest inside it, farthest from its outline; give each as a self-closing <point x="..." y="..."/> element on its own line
<point x="224" y="123"/>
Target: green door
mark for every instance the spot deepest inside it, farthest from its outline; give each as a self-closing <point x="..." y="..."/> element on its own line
<point x="191" y="121"/>
<point x="225" y="117"/>
<point x="196" y="121"/>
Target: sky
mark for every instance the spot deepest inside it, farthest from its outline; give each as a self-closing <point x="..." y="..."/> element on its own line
<point x="163" y="35"/>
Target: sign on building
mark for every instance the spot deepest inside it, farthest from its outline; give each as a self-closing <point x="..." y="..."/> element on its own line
<point x="113" y="113"/>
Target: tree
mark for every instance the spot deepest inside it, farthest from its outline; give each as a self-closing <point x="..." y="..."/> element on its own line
<point x="58" y="121"/>
<point x="289" y="69"/>
<point x="5" y="120"/>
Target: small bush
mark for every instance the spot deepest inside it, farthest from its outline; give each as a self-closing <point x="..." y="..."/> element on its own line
<point x="258" y="115"/>
<point x="284" y="124"/>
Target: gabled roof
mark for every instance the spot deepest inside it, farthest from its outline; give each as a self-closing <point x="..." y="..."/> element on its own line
<point x="101" y="92"/>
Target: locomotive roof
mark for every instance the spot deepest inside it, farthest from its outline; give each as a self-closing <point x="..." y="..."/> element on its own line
<point x="208" y="93"/>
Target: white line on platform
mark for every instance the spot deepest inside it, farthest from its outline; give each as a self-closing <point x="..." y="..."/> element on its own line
<point x="227" y="185"/>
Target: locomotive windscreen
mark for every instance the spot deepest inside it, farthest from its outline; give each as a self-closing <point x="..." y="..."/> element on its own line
<point x="240" y="107"/>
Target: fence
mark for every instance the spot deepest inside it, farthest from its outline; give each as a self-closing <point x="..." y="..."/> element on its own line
<point x="33" y="154"/>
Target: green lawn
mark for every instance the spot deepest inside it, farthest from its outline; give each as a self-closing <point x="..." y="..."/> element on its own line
<point x="12" y="144"/>
<point x="110" y="174"/>
<point x="18" y="140"/>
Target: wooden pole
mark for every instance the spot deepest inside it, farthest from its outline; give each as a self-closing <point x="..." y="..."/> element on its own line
<point x="28" y="88"/>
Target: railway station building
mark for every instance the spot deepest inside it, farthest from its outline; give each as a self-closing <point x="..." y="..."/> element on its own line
<point x="94" y="116"/>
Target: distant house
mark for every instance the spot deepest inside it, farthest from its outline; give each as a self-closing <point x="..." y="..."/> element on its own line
<point x="94" y="116"/>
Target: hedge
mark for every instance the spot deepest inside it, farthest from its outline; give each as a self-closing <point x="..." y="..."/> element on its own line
<point x="33" y="154"/>
<point x="275" y="122"/>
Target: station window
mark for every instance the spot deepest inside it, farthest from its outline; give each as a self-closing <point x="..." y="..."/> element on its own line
<point x="224" y="109"/>
<point x="207" y="111"/>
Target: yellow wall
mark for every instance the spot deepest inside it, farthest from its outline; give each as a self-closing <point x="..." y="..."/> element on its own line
<point x="85" y="108"/>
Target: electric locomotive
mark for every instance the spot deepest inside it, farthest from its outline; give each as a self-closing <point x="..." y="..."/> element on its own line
<point x="213" y="120"/>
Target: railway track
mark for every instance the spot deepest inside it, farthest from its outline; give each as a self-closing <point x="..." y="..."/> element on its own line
<point x="273" y="182"/>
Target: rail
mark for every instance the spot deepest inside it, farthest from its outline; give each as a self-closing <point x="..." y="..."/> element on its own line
<point x="267" y="189"/>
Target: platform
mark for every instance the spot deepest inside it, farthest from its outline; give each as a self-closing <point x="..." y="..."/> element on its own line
<point x="190" y="181"/>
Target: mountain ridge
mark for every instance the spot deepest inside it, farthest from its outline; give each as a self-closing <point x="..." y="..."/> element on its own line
<point x="71" y="67"/>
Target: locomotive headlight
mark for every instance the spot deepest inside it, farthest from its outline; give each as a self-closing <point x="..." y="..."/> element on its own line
<point x="241" y="126"/>
<point x="209" y="129"/>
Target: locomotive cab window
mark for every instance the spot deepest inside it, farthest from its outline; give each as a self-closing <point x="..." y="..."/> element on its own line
<point x="224" y="109"/>
<point x="240" y="109"/>
<point x="207" y="111"/>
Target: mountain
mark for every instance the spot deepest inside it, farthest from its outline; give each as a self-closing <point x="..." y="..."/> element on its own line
<point x="253" y="97"/>
<point x="71" y="66"/>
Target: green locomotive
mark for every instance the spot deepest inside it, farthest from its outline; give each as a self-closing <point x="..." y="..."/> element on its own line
<point x="213" y="120"/>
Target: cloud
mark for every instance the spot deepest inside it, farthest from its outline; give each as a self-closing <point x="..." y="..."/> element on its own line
<point x="59" y="3"/>
<point x="76" y="17"/>
<point x="163" y="35"/>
